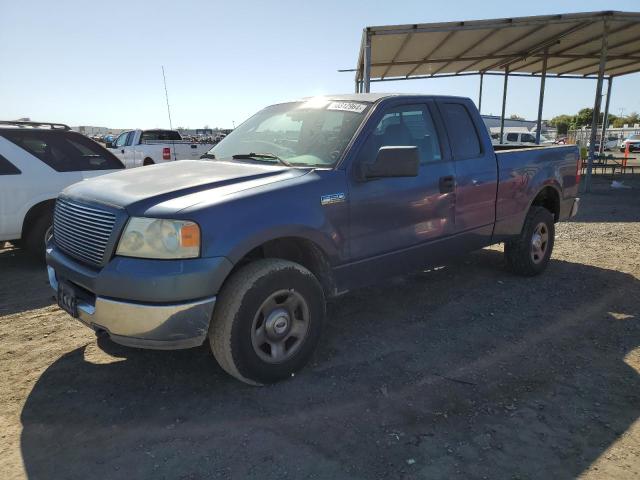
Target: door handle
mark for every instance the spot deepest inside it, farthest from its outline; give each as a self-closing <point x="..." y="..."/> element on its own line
<point x="122" y="150"/>
<point x="447" y="184"/>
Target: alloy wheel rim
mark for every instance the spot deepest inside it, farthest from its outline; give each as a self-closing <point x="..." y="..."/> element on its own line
<point x="539" y="242"/>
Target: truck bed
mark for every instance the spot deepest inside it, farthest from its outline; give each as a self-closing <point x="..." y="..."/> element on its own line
<point x="523" y="170"/>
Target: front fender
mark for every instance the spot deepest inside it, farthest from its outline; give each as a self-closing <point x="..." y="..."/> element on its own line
<point x="285" y="209"/>
<point x="320" y="239"/>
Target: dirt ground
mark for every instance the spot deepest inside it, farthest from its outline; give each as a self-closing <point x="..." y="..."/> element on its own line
<point x="463" y="371"/>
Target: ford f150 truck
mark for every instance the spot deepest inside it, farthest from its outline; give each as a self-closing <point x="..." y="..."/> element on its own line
<point x="136" y="148"/>
<point x="302" y="202"/>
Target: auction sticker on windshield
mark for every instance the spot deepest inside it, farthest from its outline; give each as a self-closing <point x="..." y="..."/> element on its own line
<point x="347" y="106"/>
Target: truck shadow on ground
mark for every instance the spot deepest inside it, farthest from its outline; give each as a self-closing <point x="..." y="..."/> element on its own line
<point x="463" y="371"/>
<point x="19" y="292"/>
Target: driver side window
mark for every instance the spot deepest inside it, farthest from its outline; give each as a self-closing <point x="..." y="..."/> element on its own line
<point x="405" y="125"/>
<point x="122" y="139"/>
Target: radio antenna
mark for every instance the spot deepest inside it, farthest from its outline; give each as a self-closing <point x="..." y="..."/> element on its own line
<point x="166" y="96"/>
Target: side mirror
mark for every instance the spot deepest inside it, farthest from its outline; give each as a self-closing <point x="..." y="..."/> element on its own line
<point x="108" y="144"/>
<point x="394" y="162"/>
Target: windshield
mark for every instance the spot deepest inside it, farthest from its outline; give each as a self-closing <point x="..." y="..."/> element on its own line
<point x="313" y="133"/>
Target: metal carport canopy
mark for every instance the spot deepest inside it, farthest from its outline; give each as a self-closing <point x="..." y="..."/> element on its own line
<point x="594" y="45"/>
<point x="572" y="42"/>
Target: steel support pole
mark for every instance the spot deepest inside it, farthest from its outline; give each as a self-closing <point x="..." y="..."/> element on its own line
<point x="596" y="105"/>
<point x="541" y="97"/>
<point x="367" y="64"/>
<point x="480" y="93"/>
<point x="603" y="134"/>
<point x="504" y="102"/>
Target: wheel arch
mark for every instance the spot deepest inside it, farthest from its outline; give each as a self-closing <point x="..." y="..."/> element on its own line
<point x="296" y="248"/>
<point x="548" y="197"/>
<point x="34" y="212"/>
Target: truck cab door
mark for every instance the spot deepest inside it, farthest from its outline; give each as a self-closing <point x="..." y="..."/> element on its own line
<point x="129" y="148"/>
<point x="393" y="221"/>
<point x="119" y="147"/>
<point x="476" y="173"/>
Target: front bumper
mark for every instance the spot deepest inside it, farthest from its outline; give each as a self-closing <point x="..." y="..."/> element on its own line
<point x="144" y="303"/>
<point x="164" y="326"/>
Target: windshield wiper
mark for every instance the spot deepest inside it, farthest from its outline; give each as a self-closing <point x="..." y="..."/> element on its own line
<point x="259" y="156"/>
<point x="208" y="155"/>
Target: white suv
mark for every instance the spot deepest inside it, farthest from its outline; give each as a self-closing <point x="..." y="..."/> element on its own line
<point x="37" y="161"/>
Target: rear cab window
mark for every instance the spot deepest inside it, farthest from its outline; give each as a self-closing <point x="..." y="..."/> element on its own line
<point x="160" y="135"/>
<point x="463" y="135"/>
<point x="64" y="151"/>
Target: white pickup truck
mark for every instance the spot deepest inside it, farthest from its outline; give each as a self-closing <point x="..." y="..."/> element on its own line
<point x="136" y="148"/>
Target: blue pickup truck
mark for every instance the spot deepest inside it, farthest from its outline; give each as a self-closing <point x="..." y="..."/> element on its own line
<point x="302" y="202"/>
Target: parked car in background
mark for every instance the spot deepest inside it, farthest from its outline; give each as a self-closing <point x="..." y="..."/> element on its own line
<point x="633" y="141"/>
<point x="304" y="201"/>
<point x="38" y="160"/>
<point x="520" y="137"/>
<point x="147" y="147"/>
<point x="610" y="143"/>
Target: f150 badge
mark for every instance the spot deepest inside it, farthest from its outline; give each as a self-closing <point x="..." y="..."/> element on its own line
<point x="332" y="198"/>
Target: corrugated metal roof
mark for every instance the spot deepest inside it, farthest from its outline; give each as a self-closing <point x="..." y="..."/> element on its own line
<point x="573" y="43"/>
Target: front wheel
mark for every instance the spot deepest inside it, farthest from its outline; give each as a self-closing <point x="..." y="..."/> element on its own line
<point x="529" y="254"/>
<point x="267" y="321"/>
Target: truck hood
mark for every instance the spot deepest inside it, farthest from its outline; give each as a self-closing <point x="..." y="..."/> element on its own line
<point x="176" y="185"/>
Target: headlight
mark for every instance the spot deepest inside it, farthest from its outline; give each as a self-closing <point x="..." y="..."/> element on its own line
<point x="159" y="238"/>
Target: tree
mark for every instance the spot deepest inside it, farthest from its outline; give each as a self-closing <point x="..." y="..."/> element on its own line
<point x="562" y="123"/>
<point x="583" y="118"/>
<point x="630" y="119"/>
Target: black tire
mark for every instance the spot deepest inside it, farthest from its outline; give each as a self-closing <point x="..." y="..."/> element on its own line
<point x="35" y="236"/>
<point x="239" y="307"/>
<point x="521" y="256"/>
<point x="147" y="161"/>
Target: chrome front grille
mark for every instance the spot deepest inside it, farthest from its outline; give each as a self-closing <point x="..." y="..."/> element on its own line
<point x="82" y="231"/>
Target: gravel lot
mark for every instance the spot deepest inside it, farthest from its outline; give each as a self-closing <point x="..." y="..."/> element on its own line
<point x="463" y="371"/>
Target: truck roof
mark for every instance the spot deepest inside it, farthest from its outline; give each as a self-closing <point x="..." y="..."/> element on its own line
<point x="373" y="97"/>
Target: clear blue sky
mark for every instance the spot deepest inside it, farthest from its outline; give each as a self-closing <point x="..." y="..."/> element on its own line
<point x="99" y="63"/>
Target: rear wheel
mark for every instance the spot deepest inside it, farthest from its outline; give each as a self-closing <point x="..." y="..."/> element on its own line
<point x="529" y="254"/>
<point x="148" y="161"/>
<point x="38" y="233"/>
<point x="267" y="321"/>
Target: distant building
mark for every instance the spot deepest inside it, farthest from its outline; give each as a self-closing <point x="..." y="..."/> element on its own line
<point x="91" y="131"/>
<point x="492" y="121"/>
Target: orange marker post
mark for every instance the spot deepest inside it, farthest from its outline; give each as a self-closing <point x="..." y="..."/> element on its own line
<point x="626" y="156"/>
